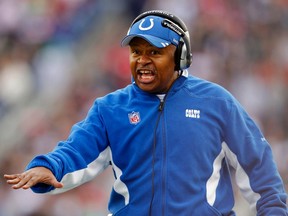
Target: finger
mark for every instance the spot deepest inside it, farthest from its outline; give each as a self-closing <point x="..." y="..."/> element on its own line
<point x="24" y="185"/>
<point x="20" y="181"/>
<point x="13" y="181"/>
<point x="10" y="177"/>
<point x="28" y="185"/>
<point x="34" y="181"/>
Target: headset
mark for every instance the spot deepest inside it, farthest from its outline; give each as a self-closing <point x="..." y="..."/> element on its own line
<point x="183" y="55"/>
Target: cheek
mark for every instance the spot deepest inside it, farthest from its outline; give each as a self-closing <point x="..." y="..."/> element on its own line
<point x="168" y="62"/>
<point x="167" y="70"/>
<point x="132" y="64"/>
<point x="172" y="62"/>
<point x="168" y="65"/>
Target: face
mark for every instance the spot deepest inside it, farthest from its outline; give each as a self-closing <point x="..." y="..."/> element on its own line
<point x="152" y="68"/>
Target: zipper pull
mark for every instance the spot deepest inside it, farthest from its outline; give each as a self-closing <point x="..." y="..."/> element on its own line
<point x="162" y="100"/>
<point x="161" y="106"/>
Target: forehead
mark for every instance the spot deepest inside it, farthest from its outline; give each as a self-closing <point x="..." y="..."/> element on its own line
<point x="137" y="41"/>
<point x="140" y="42"/>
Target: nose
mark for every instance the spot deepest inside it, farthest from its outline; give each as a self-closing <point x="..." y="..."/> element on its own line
<point x="143" y="59"/>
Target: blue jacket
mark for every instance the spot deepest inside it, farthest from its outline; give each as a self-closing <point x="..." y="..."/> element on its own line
<point x="172" y="157"/>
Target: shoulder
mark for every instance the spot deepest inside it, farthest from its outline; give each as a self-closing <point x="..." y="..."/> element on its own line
<point x="210" y="94"/>
<point x="119" y="96"/>
<point x="206" y="89"/>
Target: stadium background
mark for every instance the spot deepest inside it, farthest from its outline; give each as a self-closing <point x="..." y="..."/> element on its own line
<point x="57" y="56"/>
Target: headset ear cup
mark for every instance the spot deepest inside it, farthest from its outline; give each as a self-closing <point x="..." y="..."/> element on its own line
<point x="184" y="62"/>
<point x="181" y="61"/>
<point x="177" y="56"/>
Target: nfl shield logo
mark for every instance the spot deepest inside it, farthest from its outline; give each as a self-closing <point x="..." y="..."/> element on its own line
<point x="134" y="117"/>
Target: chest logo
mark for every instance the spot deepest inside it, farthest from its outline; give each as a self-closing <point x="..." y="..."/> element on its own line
<point x="192" y="113"/>
<point x="134" y="117"/>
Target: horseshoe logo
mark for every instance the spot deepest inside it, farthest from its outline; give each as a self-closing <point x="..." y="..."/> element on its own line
<point x="146" y="28"/>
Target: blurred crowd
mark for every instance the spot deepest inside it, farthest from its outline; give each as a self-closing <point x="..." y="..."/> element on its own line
<point x="57" y="56"/>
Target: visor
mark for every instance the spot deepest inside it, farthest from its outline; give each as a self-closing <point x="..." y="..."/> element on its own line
<point x="150" y="28"/>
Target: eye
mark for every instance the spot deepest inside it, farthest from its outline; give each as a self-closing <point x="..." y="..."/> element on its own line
<point x="135" y="51"/>
<point x="155" y="52"/>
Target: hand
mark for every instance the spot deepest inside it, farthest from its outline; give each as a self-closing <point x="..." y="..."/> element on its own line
<point x="32" y="177"/>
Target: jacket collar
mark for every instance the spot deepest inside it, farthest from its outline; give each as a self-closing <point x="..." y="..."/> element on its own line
<point x="177" y="84"/>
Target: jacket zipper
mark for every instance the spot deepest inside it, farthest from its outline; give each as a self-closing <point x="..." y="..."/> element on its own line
<point x="160" y="109"/>
<point x="163" y="172"/>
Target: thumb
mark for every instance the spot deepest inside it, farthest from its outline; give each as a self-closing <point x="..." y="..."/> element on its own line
<point x="57" y="184"/>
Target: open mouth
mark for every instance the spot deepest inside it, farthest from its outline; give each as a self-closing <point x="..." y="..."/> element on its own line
<point x="145" y="76"/>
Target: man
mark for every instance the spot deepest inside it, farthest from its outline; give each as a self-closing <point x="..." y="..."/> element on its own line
<point x="171" y="139"/>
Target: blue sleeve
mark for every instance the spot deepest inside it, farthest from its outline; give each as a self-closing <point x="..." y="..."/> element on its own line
<point x="87" y="140"/>
<point x="251" y="156"/>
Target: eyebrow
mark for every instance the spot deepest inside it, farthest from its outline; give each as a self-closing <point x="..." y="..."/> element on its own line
<point x="147" y="46"/>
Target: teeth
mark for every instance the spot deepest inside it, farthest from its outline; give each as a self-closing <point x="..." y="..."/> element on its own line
<point x="145" y="72"/>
